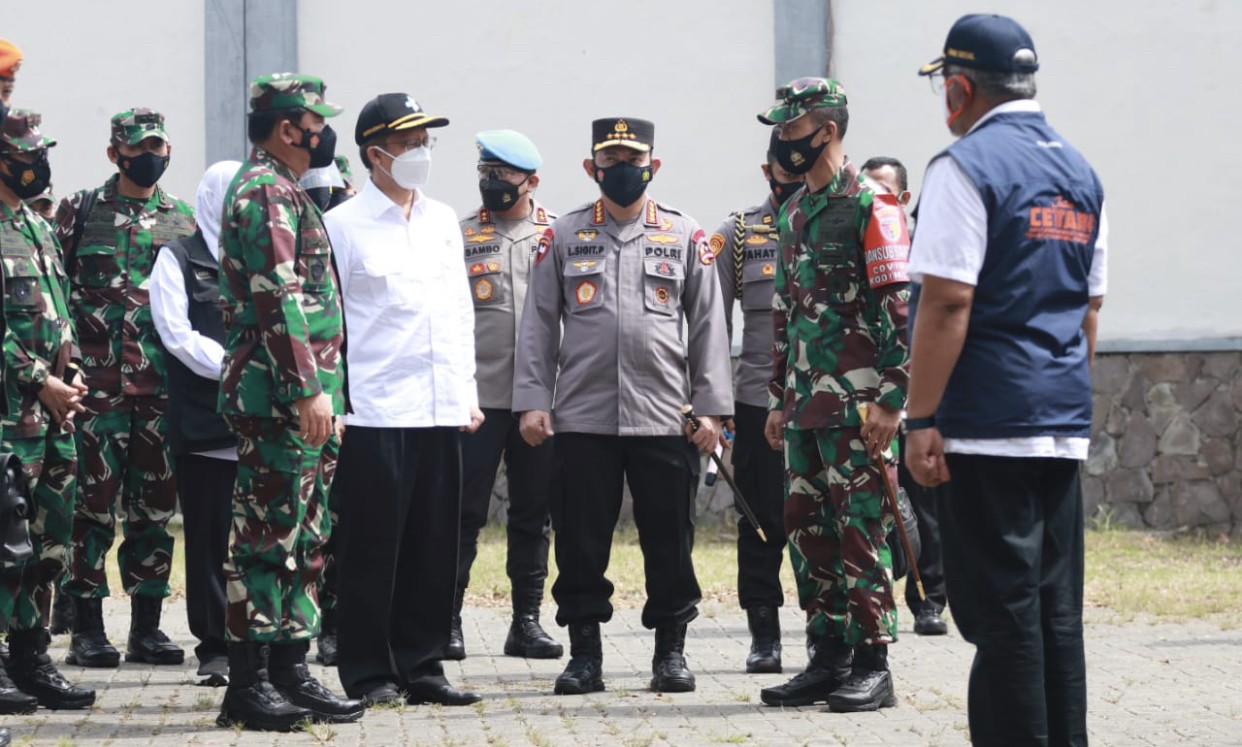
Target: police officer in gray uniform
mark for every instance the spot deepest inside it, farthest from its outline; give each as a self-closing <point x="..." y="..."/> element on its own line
<point x="747" y="249"/>
<point x="622" y="274"/>
<point x="500" y="241"/>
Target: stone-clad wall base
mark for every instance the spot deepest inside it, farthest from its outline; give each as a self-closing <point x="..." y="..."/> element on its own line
<point x="1165" y="448"/>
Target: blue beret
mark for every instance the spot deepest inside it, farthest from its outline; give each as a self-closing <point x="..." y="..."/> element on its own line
<point x="509" y="146"/>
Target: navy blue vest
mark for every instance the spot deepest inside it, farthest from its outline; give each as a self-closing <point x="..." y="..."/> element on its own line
<point x="1023" y="370"/>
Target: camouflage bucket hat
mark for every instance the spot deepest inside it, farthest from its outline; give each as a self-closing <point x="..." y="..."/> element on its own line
<point x="132" y="126"/>
<point x="21" y="132"/>
<point x="801" y="96"/>
<point x="290" y="91"/>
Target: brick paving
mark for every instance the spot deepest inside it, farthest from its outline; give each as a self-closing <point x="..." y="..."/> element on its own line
<point x="1150" y="684"/>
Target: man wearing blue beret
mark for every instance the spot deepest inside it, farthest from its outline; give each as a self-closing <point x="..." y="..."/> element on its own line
<point x="500" y="240"/>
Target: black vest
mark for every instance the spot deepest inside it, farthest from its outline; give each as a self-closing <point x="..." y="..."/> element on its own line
<point x="193" y="421"/>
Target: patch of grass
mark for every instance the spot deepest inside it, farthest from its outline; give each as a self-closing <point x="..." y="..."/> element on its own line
<point x="204" y="703"/>
<point x="1176" y="578"/>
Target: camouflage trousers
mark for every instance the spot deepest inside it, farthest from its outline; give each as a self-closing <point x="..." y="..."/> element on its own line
<point x="51" y="461"/>
<point x="124" y="451"/>
<point x="836" y="521"/>
<point x="280" y="524"/>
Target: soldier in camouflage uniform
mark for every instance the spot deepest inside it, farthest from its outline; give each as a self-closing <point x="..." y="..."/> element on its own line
<point x="746" y="245"/>
<point x="282" y="393"/>
<point x="42" y="393"/>
<point x="839" y="319"/>
<point x="109" y="236"/>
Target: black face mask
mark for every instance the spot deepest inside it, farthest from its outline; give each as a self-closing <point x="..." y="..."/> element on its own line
<point x="782" y="191"/>
<point x="798" y="156"/>
<point x="623" y="183"/>
<point x="498" y="194"/>
<point x="145" y="169"/>
<point x="321" y="146"/>
<point x="27" y="179"/>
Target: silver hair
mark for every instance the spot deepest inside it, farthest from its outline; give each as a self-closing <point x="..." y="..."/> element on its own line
<point x="997" y="84"/>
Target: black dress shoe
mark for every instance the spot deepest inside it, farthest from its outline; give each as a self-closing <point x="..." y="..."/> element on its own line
<point x="382" y="695"/>
<point x="422" y="693"/>
<point x="528" y="639"/>
<point x="929" y="622"/>
<point x="305" y="691"/>
<point x="456" y="648"/>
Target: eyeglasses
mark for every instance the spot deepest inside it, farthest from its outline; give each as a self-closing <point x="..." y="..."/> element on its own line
<point x="400" y="146"/>
<point x="504" y="173"/>
<point x="937" y="82"/>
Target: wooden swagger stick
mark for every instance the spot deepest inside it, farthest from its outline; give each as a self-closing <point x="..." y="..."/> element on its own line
<point x="891" y="494"/>
<point x="688" y="412"/>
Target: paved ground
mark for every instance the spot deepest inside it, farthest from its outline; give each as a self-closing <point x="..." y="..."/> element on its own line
<point x="1150" y="685"/>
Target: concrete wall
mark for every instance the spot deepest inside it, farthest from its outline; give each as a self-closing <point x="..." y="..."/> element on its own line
<point x="1142" y="89"/>
<point x="85" y="61"/>
<point x="699" y="69"/>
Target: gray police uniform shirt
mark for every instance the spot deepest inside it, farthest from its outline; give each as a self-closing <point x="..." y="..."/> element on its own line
<point x="747" y="253"/>
<point x="499" y="256"/>
<point x="621" y="292"/>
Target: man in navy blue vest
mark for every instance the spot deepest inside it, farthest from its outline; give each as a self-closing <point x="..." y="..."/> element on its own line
<point x="1009" y="269"/>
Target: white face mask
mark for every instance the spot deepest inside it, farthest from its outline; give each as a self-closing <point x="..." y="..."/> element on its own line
<point x="411" y="169"/>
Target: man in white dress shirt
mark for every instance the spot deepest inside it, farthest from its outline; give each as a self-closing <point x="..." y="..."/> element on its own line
<point x="411" y="364"/>
<point x="185" y="291"/>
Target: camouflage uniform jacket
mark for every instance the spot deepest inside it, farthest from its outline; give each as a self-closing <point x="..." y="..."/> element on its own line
<point x="746" y="247"/>
<point x="282" y="311"/>
<point x="37" y="330"/>
<point x="499" y="255"/>
<point x="623" y="365"/>
<point x="840" y="306"/>
<point x="110" y="275"/>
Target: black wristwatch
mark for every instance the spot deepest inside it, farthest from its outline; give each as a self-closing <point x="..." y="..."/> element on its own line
<point x="920" y="424"/>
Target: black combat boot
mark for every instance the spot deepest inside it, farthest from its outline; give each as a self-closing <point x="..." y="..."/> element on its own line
<point x="527" y="638"/>
<point x="250" y="699"/>
<point x="14" y="702"/>
<point x="62" y="614"/>
<point x="288" y="672"/>
<point x="325" y="644"/>
<point x="32" y="670"/>
<point x="585" y="671"/>
<point x="89" y="646"/>
<point x="869" y="686"/>
<point x="668" y="667"/>
<point x="147" y="643"/>
<point x="828" y="668"/>
<point x="456" y="648"/>
<point x="765" y="641"/>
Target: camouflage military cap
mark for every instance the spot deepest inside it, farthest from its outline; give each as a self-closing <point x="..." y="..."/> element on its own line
<point x="21" y="132"/>
<point x="132" y="126"/>
<point x="291" y="91"/>
<point x="801" y="96"/>
<point x="342" y="165"/>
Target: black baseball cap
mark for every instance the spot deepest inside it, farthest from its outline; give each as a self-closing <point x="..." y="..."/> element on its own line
<point x="986" y="41"/>
<point x="392" y="112"/>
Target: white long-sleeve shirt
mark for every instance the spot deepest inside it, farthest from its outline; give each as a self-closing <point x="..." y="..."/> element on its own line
<point x="170" y="309"/>
<point x="408" y="312"/>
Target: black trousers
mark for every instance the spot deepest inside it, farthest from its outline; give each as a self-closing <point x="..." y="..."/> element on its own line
<point x="205" y="487"/>
<point x="400" y="512"/>
<point x="663" y="475"/>
<point x="759" y="471"/>
<point x="930" y="561"/>
<point x="529" y="471"/>
<point x="1013" y="558"/>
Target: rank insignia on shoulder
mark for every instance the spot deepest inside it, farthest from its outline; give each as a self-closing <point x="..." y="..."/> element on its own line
<point x="663" y="238"/>
<point x="585" y="292"/>
<point x="541" y="216"/>
<point x="587" y="234"/>
<point x="483" y="290"/>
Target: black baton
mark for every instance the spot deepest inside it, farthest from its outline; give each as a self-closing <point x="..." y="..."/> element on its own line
<point x="738" y="500"/>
